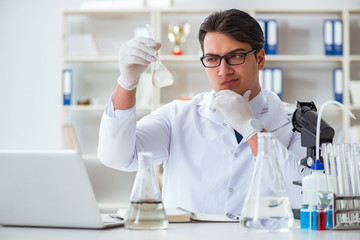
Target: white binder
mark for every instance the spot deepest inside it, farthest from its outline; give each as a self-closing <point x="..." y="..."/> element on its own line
<point x="328" y="37"/>
<point x="277" y="81"/>
<point x="338" y="37"/>
<point x="272" y="36"/>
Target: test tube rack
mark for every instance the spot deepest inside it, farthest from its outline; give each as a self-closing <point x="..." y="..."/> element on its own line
<point x="346" y="212"/>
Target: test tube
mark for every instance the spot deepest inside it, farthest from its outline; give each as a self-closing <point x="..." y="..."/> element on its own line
<point x="354" y="169"/>
<point x="327" y="154"/>
<point x="342" y="218"/>
<point x="356" y="172"/>
<point x="333" y="171"/>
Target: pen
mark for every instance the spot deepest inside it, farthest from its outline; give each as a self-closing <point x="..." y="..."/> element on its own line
<point x="233" y="216"/>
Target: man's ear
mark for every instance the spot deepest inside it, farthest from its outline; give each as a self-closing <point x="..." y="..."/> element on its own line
<point x="261" y="59"/>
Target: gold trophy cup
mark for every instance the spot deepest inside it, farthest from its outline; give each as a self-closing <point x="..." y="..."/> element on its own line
<point x="177" y="35"/>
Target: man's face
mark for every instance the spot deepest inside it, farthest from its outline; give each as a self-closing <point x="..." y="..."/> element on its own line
<point x="239" y="78"/>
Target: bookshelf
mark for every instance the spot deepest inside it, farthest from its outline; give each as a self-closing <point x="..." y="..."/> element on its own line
<point x="307" y="70"/>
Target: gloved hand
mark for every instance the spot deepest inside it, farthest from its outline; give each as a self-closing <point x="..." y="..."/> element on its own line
<point x="235" y="108"/>
<point x="134" y="57"/>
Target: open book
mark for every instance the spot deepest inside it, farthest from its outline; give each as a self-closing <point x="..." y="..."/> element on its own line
<point x="177" y="215"/>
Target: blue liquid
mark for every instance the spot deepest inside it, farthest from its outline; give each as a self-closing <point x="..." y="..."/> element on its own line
<point x="305" y="220"/>
<point x="313" y="220"/>
<point x="329" y="221"/>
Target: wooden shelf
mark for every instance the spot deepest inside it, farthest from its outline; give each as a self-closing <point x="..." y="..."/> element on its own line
<point x="355" y="58"/>
<point x="303" y="58"/>
<point x="91" y="59"/>
<point x="195" y="58"/>
<point x="81" y="108"/>
<point x="109" y="12"/>
<point x="297" y="11"/>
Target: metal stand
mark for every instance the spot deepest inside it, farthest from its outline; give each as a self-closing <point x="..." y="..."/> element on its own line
<point x="346" y="213"/>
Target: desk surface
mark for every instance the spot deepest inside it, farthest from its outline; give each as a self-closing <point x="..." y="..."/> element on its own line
<point x="175" y="231"/>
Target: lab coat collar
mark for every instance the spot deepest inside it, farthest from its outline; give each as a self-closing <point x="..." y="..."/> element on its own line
<point x="203" y="107"/>
<point x="278" y="113"/>
<point x="257" y="103"/>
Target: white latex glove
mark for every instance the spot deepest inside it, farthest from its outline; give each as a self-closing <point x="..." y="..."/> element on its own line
<point x="134" y="57"/>
<point x="235" y="108"/>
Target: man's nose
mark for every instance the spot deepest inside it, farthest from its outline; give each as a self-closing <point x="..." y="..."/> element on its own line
<point x="225" y="68"/>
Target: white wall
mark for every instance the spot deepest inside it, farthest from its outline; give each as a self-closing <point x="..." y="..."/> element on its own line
<point x="29" y="63"/>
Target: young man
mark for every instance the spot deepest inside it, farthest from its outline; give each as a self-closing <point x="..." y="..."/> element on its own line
<point x="208" y="145"/>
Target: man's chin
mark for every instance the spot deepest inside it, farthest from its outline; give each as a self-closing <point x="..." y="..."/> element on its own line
<point x="238" y="91"/>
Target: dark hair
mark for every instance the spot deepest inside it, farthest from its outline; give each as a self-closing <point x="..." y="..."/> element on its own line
<point x="236" y="24"/>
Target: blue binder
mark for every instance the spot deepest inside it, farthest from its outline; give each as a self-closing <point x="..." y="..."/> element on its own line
<point x="338" y="84"/>
<point x="338" y="37"/>
<point x="277" y="81"/>
<point x="67" y="86"/>
<point x="272" y="36"/>
<point x="262" y="24"/>
<point x="328" y="37"/>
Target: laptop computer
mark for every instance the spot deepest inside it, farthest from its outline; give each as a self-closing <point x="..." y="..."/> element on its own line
<point x="48" y="189"/>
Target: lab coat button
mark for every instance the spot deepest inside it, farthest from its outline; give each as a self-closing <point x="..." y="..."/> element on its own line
<point x="224" y="124"/>
<point x="236" y="155"/>
<point x="231" y="190"/>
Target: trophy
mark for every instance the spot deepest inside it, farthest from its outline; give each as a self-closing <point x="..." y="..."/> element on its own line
<point x="177" y="35"/>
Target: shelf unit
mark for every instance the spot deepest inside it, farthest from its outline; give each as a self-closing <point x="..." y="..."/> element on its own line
<point x="159" y="18"/>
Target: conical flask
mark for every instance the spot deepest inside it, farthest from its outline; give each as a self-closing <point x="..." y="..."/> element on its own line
<point x="146" y="210"/>
<point x="267" y="205"/>
<point x="161" y="76"/>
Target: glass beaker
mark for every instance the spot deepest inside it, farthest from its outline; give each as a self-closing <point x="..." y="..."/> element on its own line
<point x="267" y="205"/>
<point x="146" y="210"/>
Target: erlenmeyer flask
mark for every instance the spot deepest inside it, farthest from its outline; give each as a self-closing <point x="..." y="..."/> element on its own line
<point x="146" y="210"/>
<point x="267" y="205"/>
<point x="161" y="76"/>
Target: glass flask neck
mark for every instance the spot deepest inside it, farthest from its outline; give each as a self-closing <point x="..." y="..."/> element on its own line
<point x="266" y="143"/>
<point x="145" y="161"/>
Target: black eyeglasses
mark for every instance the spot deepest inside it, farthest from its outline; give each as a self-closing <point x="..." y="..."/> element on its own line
<point x="232" y="58"/>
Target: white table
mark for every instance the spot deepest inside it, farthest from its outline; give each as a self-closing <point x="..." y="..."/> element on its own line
<point x="196" y="231"/>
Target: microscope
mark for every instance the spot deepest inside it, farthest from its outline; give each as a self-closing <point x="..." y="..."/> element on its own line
<point x="304" y="120"/>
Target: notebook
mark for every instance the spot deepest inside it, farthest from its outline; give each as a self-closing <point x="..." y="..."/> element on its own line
<point x="48" y="189"/>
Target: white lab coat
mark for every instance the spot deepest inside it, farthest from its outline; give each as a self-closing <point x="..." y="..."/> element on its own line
<point x="205" y="169"/>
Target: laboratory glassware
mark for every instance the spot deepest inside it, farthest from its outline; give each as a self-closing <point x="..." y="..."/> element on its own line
<point x="267" y="205"/>
<point x="146" y="210"/>
<point x="161" y="76"/>
<point x="305" y="216"/>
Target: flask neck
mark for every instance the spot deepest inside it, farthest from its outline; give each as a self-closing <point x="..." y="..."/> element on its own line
<point x="266" y="143"/>
<point x="145" y="161"/>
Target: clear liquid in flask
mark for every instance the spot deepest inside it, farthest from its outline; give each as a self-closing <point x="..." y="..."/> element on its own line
<point x="268" y="213"/>
<point x="146" y="215"/>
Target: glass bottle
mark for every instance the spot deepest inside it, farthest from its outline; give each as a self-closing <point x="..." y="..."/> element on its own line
<point x="305" y="216"/>
<point x="329" y="217"/>
<point x="267" y="205"/>
<point x="146" y="210"/>
<point x="321" y="217"/>
<point x="313" y="221"/>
